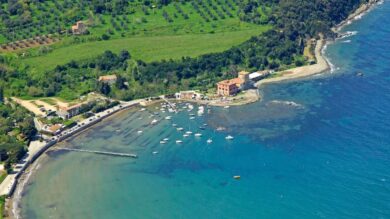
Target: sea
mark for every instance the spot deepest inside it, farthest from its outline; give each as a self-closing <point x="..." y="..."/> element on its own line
<point x="312" y="148"/>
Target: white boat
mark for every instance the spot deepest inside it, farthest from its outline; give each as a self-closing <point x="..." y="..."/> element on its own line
<point x="155" y="152"/>
<point x="179" y="141"/>
<point x="192" y="117"/>
<point x="198" y="134"/>
<point x="229" y="137"/>
<point x="209" y="141"/>
<point x="163" y="142"/>
<point x="200" y="110"/>
<point x="168" y="117"/>
<point x="226" y="107"/>
<point x="174" y="124"/>
<point x="166" y="139"/>
<point x="188" y="132"/>
<point x="154" y="121"/>
<point x="180" y="129"/>
<point x="186" y="135"/>
<point x="142" y="109"/>
<point x="191" y="114"/>
<point x="139" y="132"/>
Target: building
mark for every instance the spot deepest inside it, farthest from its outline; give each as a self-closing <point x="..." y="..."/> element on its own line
<point x="188" y="95"/>
<point x="68" y="112"/>
<point x="52" y="129"/>
<point x="229" y="87"/>
<point x="109" y="79"/>
<point x="79" y="28"/>
<point x="233" y="86"/>
<point x="258" y="75"/>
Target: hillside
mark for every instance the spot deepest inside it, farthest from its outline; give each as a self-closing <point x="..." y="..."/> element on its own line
<point x="173" y="45"/>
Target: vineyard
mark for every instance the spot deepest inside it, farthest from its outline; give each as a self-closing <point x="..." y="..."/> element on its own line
<point x="24" y="23"/>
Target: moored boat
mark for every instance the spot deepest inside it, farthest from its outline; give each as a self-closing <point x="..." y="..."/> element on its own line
<point x="229" y="137"/>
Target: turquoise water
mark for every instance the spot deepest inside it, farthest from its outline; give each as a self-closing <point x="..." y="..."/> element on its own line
<point x="317" y="148"/>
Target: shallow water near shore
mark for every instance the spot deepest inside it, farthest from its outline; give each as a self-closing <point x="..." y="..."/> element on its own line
<point x="314" y="148"/>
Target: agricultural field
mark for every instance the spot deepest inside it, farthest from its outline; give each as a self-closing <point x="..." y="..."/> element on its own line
<point x="40" y="30"/>
<point x="148" y="48"/>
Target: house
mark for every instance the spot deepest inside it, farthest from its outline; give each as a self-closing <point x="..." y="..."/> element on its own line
<point x="188" y="95"/>
<point x="109" y="79"/>
<point x="68" y="112"/>
<point x="232" y="86"/>
<point x="52" y="129"/>
<point x="258" y="75"/>
<point x="79" y="28"/>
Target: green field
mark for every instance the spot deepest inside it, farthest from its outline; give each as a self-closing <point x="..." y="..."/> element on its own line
<point x="146" y="48"/>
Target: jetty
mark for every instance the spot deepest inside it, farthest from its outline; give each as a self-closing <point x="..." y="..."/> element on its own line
<point x="169" y="103"/>
<point x="109" y="153"/>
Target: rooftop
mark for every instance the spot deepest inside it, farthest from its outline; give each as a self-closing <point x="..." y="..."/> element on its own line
<point x="107" y="78"/>
<point x="229" y="82"/>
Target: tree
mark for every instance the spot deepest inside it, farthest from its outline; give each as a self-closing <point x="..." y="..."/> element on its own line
<point x="1" y="95"/>
<point x="104" y="88"/>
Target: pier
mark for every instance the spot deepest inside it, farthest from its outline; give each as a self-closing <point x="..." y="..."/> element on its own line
<point x="169" y="103"/>
<point x="101" y="152"/>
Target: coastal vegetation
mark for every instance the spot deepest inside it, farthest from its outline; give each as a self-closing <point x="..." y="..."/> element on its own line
<point x="152" y="47"/>
<point x="16" y="128"/>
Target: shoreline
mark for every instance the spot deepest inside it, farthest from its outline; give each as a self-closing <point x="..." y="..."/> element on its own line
<point x="31" y="162"/>
<point x="321" y="66"/>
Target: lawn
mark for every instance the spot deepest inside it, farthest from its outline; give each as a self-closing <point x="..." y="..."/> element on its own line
<point x="146" y="48"/>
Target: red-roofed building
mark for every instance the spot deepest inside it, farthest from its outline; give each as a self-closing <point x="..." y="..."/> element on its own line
<point x="110" y="79"/>
<point x="233" y="86"/>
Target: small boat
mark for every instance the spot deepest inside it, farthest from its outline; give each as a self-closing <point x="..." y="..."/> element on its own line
<point x="154" y="121"/>
<point x="237" y="177"/>
<point x="226" y="107"/>
<point x="168" y="117"/>
<point x="186" y="135"/>
<point x="209" y="141"/>
<point x="155" y="152"/>
<point x="166" y="139"/>
<point x="202" y="128"/>
<point x="198" y="134"/>
<point x="139" y="132"/>
<point x="204" y="124"/>
<point x="163" y="142"/>
<point x="191" y="114"/>
<point x="142" y="109"/>
<point x="174" y="124"/>
<point x="179" y="141"/>
<point x="188" y="132"/>
<point x="180" y="129"/>
<point x="229" y="137"/>
<point x="192" y="117"/>
<point x="220" y="128"/>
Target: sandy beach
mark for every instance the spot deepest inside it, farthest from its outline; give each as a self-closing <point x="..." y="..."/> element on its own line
<point x="322" y="65"/>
